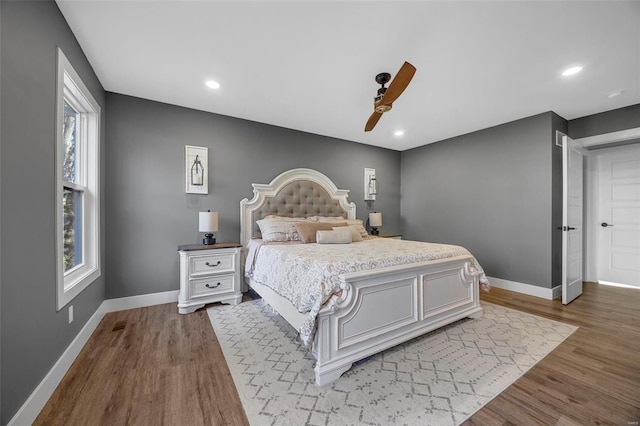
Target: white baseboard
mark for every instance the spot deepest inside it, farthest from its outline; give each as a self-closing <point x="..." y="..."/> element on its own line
<point x="531" y="290"/>
<point x="556" y="292"/>
<point x="132" y="302"/>
<point x="27" y="414"/>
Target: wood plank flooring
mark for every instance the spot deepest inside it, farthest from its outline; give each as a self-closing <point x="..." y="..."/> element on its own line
<point x="593" y="377"/>
<point x="148" y="366"/>
<point x="152" y="366"/>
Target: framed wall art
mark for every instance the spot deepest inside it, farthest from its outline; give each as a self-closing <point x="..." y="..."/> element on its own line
<point x="196" y="169"/>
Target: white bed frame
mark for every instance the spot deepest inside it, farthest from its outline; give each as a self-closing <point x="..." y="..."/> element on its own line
<point x="378" y="308"/>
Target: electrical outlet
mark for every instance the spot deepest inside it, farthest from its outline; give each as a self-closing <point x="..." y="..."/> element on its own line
<point x="70" y="314"/>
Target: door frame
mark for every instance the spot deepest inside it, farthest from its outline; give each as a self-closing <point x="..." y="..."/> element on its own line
<point x="621" y="136"/>
<point x="592" y="210"/>
<point x="595" y="147"/>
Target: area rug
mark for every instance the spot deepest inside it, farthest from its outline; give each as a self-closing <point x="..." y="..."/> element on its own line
<point x="441" y="378"/>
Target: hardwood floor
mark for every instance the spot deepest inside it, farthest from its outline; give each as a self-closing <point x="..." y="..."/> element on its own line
<point x="152" y="366"/>
<point x="148" y="366"/>
<point x="593" y="377"/>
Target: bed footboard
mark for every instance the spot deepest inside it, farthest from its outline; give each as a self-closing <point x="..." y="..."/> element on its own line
<point x="385" y="307"/>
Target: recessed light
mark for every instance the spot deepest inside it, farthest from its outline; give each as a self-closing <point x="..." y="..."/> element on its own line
<point x="213" y="84"/>
<point x="614" y="94"/>
<point x="571" y="71"/>
<point x="399" y="132"/>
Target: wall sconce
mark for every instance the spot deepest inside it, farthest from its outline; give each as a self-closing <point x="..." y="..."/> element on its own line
<point x="370" y="184"/>
<point x="375" y="221"/>
<point x="197" y="172"/>
<point x="373" y="185"/>
<point x="208" y="223"/>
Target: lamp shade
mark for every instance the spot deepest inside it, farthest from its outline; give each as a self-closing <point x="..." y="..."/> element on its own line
<point x="375" y="219"/>
<point x="208" y="221"/>
<point x="373" y="185"/>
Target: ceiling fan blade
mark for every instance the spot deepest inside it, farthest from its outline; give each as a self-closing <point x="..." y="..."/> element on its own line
<point x="373" y="120"/>
<point x="399" y="83"/>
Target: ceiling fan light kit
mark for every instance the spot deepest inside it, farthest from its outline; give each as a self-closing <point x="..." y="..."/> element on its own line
<point x="383" y="101"/>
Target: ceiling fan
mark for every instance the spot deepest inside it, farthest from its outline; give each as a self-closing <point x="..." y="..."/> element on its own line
<point x="387" y="95"/>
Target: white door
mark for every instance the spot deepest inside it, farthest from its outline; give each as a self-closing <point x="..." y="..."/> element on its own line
<point x="571" y="220"/>
<point x="619" y="216"/>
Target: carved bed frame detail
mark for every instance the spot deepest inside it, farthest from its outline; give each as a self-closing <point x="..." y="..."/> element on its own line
<point x="378" y="309"/>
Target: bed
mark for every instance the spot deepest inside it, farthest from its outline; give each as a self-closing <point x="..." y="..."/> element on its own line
<point x="369" y="303"/>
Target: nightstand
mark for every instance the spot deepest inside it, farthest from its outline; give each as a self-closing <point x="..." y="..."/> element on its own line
<point x="209" y="274"/>
<point x="389" y="235"/>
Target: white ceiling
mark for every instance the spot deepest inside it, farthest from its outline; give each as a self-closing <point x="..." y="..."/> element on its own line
<point x="310" y="65"/>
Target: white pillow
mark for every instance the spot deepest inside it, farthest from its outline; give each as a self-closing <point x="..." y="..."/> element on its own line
<point x="337" y="236"/>
<point x="279" y="229"/>
<point x="327" y="218"/>
<point x="355" y="234"/>
<point x="357" y="224"/>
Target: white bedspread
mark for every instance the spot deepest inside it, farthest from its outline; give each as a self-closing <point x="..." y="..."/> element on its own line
<point x="308" y="274"/>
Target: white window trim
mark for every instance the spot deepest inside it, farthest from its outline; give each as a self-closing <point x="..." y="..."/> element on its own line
<point x="71" y="283"/>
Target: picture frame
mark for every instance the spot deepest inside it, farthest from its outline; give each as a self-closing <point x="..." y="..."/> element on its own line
<point x="196" y="169"/>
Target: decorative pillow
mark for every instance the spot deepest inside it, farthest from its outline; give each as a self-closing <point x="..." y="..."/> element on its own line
<point x="281" y="229"/>
<point x="327" y="218"/>
<point x="355" y="234"/>
<point x="340" y="235"/>
<point x="357" y="223"/>
<point x="307" y="230"/>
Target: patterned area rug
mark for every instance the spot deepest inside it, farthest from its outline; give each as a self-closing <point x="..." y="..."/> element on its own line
<point x="441" y="378"/>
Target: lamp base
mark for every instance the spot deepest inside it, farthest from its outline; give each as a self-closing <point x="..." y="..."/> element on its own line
<point x="374" y="231"/>
<point x="208" y="240"/>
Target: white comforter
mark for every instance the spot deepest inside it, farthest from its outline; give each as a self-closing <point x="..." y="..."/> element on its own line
<point x="308" y="274"/>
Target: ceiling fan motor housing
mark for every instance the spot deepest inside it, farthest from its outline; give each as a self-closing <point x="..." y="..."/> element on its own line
<point x="380" y="94"/>
<point x="383" y="78"/>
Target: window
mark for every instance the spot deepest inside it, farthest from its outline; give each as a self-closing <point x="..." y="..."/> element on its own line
<point x="77" y="184"/>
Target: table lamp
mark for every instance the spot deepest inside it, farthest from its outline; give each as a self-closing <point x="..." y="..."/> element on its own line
<point x="208" y="223"/>
<point x="375" y="220"/>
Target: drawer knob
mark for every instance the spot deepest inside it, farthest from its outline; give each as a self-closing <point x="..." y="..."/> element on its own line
<point x="212" y="266"/>
<point x="211" y="286"/>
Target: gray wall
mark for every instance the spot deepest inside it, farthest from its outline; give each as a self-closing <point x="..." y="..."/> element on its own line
<point x="1" y="422"/>
<point x="490" y="191"/>
<point x="605" y="122"/>
<point x="33" y="334"/>
<point x="148" y="213"/>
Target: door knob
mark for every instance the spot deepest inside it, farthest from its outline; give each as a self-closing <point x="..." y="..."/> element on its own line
<point x="605" y="224"/>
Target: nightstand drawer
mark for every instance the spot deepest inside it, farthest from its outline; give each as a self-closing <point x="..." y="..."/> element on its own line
<point x="212" y="263"/>
<point x="209" y="274"/>
<point x="212" y="285"/>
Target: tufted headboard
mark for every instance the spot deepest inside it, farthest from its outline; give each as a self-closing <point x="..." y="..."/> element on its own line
<point x="294" y="193"/>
